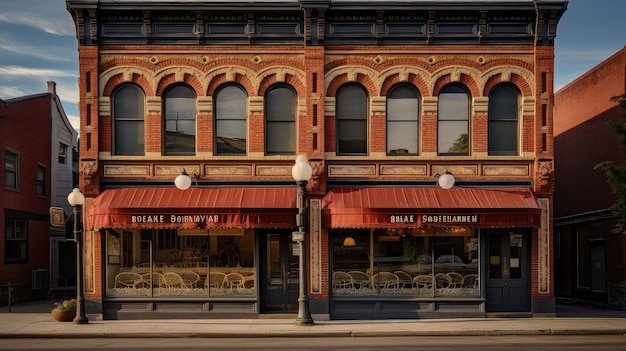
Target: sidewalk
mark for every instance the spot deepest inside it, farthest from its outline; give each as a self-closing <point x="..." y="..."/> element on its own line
<point x="31" y="322"/>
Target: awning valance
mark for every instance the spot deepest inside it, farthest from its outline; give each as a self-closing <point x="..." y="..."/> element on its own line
<point x="417" y="207"/>
<point x="193" y="208"/>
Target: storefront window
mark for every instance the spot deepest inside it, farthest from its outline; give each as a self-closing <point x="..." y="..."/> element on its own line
<point x="406" y="262"/>
<point x="181" y="263"/>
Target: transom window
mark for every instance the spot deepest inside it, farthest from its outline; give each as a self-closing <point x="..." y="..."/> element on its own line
<point x="280" y="120"/>
<point x="503" y="120"/>
<point x="128" y="121"/>
<point x="351" y="109"/>
<point x="453" y="121"/>
<point x="180" y="121"/>
<point x="231" y="121"/>
<point x="403" y="120"/>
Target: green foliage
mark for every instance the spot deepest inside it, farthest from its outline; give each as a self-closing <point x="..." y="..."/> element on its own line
<point x="616" y="173"/>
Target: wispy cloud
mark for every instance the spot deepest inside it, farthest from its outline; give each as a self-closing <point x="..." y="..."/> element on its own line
<point x="35" y="72"/>
<point x="50" y="16"/>
<point x="50" y="53"/>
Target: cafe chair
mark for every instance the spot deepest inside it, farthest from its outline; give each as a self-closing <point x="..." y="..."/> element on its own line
<point x="405" y="279"/>
<point x="342" y="280"/>
<point x="190" y="279"/>
<point x="442" y="280"/>
<point x="423" y="281"/>
<point x="215" y="280"/>
<point x="385" y="280"/>
<point x="360" y="279"/>
<point x="173" y="280"/>
<point x="456" y="280"/>
<point x="235" y="281"/>
<point x="127" y="280"/>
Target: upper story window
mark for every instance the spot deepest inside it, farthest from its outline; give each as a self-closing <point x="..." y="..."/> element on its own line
<point x="231" y="122"/>
<point x="351" y="109"/>
<point x="280" y="120"/>
<point x="11" y="170"/>
<point x="453" y="121"/>
<point x="62" y="153"/>
<point x="128" y="121"/>
<point x="180" y="121"/>
<point x="41" y="180"/>
<point x="503" y="120"/>
<point x="16" y="241"/>
<point x="403" y="120"/>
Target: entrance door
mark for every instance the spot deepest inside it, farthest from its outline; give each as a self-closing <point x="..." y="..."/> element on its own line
<point x="508" y="272"/>
<point x="279" y="274"/>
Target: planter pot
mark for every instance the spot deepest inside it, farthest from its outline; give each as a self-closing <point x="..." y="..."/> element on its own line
<point x="63" y="315"/>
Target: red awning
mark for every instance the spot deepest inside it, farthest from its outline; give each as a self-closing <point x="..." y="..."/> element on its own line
<point x="194" y="208"/>
<point x="417" y="207"/>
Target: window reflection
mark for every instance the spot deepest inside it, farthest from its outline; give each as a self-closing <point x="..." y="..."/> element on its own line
<point x="181" y="263"/>
<point x="406" y="262"/>
<point x="453" y="121"/>
<point x="180" y="121"/>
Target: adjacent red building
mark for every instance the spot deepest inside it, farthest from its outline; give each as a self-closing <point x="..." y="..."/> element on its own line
<point x="590" y="258"/>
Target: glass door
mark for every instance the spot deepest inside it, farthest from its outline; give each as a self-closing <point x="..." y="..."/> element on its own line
<point x="279" y="274"/>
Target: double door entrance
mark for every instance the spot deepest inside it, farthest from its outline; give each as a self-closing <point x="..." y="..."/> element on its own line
<point x="279" y="273"/>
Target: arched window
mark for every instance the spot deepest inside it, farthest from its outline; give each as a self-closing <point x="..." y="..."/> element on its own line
<point x="128" y="120"/>
<point x="180" y="121"/>
<point x="280" y="120"/>
<point x="453" y="121"/>
<point x="403" y="120"/>
<point x="231" y="128"/>
<point x="351" y="109"/>
<point x="503" y="120"/>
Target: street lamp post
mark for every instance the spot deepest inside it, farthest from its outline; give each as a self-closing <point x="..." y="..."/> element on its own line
<point x="77" y="199"/>
<point x="301" y="173"/>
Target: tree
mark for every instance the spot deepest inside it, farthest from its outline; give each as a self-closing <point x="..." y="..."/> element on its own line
<point x="616" y="172"/>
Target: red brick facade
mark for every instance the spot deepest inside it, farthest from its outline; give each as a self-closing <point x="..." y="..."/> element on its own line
<point x="316" y="73"/>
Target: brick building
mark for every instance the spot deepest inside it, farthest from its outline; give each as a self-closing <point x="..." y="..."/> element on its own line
<point x="382" y="97"/>
<point x="38" y="174"/>
<point x="589" y="256"/>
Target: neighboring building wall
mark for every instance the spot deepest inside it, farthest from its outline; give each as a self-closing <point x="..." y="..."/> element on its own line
<point x="62" y="251"/>
<point x="32" y="146"/>
<point x="590" y="258"/>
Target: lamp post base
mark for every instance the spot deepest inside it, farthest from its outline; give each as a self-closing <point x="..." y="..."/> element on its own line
<point x="304" y="314"/>
<point x="80" y="320"/>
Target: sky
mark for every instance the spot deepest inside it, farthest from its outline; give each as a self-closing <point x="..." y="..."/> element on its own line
<point x="38" y="44"/>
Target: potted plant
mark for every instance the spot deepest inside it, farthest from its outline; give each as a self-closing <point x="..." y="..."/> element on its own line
<point x="64" y="311"/>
